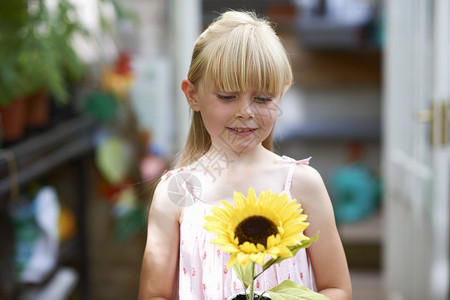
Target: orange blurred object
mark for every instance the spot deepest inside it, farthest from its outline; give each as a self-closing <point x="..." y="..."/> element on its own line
<point x="67" y="224"/>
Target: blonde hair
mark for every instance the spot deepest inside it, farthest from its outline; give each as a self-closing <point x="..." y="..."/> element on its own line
<point x="236" y="52"/>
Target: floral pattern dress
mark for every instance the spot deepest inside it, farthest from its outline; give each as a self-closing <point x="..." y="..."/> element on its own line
<point x="202" y="272"/>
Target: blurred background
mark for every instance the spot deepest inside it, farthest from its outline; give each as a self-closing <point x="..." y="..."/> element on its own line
<point x="92" y="112"/>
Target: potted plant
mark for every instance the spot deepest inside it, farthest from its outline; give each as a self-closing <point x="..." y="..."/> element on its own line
<point x="13" y="17"/>
<point x="49" y="51"/>
<point x="270" y="226"/>
<point x="37" y="56"/>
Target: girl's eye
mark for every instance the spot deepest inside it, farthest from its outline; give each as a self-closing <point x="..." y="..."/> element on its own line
<point x="225" y="97"/>
<point x="263" y="99"/>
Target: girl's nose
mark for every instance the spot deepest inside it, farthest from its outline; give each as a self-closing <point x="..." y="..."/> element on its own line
<point x="245" y="109"/>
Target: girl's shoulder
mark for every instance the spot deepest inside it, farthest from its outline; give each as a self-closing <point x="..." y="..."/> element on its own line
<point x="181" y="186"/>
<point x="305" y="176"/>
<point x="299" y="172"/>
<point x="164" y="202"/>
<point x="309" y="187"/>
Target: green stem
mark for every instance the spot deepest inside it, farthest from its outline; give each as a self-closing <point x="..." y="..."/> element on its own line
<point x="260" y="296"/>
<point x="254" y="277"/>
<point x="251" y="285"/>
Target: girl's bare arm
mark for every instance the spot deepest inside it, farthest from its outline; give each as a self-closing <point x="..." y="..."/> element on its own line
<point x="327" y="254"/>
<point x="161" y="250"/>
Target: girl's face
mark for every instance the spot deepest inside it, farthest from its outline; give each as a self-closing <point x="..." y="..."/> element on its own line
<point x="238" y="121"/>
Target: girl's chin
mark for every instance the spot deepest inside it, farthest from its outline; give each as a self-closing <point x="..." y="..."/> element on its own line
<point x="237" y="144"/>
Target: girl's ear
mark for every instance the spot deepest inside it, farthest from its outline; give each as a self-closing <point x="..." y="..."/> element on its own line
<point x="190" y="91"/>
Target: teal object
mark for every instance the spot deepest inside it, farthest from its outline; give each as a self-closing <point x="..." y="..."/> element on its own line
<point x="355" y="193"/>
<point x="26" y="231"/>
<point x="103" y="106"/>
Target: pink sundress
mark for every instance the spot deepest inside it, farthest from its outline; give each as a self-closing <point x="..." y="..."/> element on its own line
<point x="202" y="270"/>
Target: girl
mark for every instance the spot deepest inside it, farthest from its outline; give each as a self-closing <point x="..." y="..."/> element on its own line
<point x="237" y="77"/>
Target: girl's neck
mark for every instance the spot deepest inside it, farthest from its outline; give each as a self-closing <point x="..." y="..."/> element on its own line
<point x="255" y="155"/>
<point x="224" y="171"/>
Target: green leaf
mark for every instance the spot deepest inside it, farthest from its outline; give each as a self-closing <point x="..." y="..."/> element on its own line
<point x="289" y="290"/>
<point x="113" y="159"/>
<point x="244" y="273"/>
<point x="294" y="251"/>
<point x="305" y="244"/>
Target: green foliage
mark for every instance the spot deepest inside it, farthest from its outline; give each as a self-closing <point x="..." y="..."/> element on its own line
<point x="244" y="273"/>
<point x="13" y="17"/>
<point x="63" y="31"/>
<point x="120" y="12"/>
<point x="286" y="290"/>
<point x="290" y="290"/>
<point x="36" y="50"/>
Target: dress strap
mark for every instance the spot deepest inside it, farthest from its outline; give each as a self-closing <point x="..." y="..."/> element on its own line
<point x="169" y="173"/>
<point x="304" y="161"/>
<point x="293" y="164"/>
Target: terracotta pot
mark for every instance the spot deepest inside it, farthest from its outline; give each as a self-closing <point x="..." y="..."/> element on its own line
<point x="38" y="110"/>
<point x="13" y="120"/>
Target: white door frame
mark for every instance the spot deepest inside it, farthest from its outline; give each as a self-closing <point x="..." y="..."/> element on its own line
<point x="441" y="207"/>
<point x="416" y="172"/>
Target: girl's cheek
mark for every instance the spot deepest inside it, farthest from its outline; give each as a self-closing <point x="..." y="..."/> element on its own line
<point x="268" y="113"/>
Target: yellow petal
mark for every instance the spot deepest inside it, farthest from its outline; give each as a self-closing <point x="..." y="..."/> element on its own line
<point x="248" y="247"/>
<point x="251" y="195"/>
<point x="232" y="261"/>
<point x="230" y="249"/>
<point x="258" y="258"/>
<point x="227" y="207"/>
<point x="239" y="201"/>
<point x="243" y="258"/>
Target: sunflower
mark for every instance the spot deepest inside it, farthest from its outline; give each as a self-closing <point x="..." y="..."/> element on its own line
<point x="257" y="227"/>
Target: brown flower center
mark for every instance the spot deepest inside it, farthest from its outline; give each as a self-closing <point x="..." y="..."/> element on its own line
<point x="255" y="229"/>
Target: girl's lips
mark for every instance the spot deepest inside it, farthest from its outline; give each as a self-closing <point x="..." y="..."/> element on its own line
<point x="241" y="131"/>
